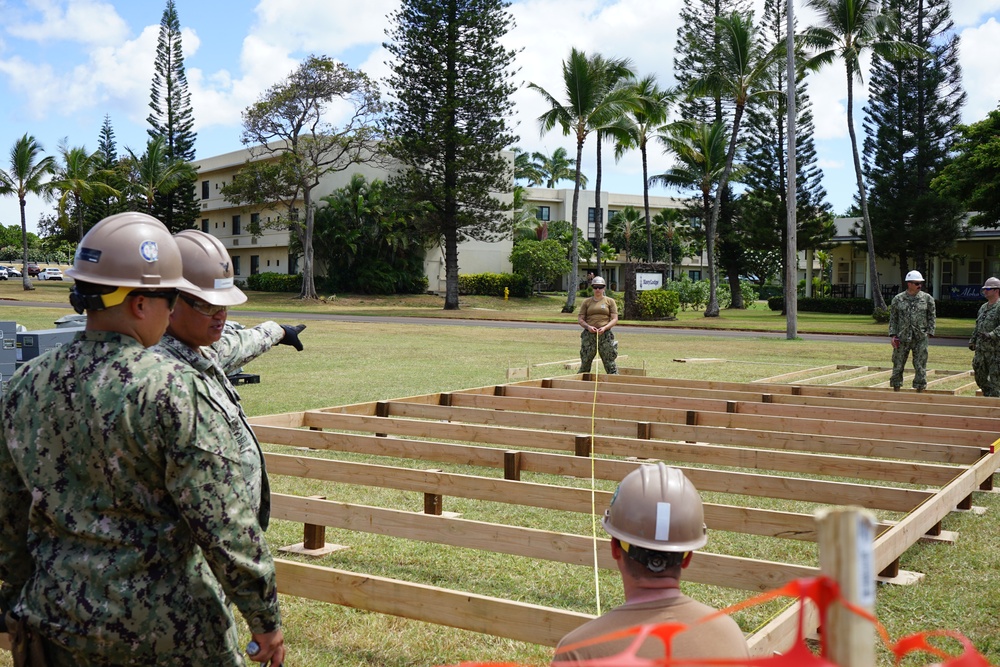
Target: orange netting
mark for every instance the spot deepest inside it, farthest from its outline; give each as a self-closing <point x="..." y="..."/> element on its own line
<point x="822" y="591"/>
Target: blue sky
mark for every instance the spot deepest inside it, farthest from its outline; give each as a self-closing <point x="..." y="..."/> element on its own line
<point x="65" y="64"/>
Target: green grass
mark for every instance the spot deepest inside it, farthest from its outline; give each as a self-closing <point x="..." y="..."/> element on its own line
<point x="354" y="362"/>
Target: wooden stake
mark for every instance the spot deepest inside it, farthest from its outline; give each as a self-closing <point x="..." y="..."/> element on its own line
<point x="846" y="554"/>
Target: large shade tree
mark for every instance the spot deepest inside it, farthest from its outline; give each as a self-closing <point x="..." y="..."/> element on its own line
<point x="28" y="175"/>
<point x="293" y="145"/>
<point x="846" y="30"/>
<point x="586" y="105"/>
<point x="450" y="117"/>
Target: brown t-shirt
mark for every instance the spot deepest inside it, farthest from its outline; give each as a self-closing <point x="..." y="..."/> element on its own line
<point x="598" y="312"/>
<point x="718" y="638"/>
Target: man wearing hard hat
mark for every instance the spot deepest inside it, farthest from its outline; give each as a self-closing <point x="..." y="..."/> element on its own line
<point x="912" y="317"/>
<point x="656" y="522"/>
<point x="986" y="341"/>
<point x="124" y="521"/>
<point x="196" y="337"/>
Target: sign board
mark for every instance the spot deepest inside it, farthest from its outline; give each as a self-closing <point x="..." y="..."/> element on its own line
<point x="965" y="292"/>
<point x="645" y="281"/>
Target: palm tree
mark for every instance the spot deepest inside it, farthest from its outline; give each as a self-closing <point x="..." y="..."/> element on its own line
<point x="643" y="121"/>
<point x="743" y="71"/>
<point x="700" y="150"/>
<point x="618" y="79"/>
<point x="526" y="169"/>
<point x="557" y="167"/>
<point x="27" y="173"/>
<point x="587" y="104"/>
<point x="79" y="178"/>
<point x="155" y="173"/>
<point x="846" y="30"/>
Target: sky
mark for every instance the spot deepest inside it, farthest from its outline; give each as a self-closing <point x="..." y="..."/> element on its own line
<point x="66" y="64"/>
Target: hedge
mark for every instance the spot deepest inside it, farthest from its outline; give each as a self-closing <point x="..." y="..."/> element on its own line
<point x="657" y="304"/>
<point x="492" y="284"/>
<point x="959" y="309"/>
<point x="275" y="282"/>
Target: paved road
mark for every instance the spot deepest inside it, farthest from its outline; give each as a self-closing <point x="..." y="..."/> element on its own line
<point x="561" y="326"/>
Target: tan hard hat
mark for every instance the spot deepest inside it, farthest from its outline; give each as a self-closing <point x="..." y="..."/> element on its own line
<point x="992" y="283"/>
<point x="129" y="250"/>
<point x="656" y="507"/>
<point x="209" y="268"/>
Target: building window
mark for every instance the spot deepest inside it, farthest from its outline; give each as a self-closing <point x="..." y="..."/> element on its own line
<point x="293" y="215"/>
<point x="611" y="215"/>
<point x="204" y="225"/>
<point x="237" y="229"/>
<point x="947" y="273"/>
<point x="293" y="265"/>
<point x="542" y="213"/>
<point x="254" y="222"/>
<point x="236" y="265"/>
<point x="694" y="275"/>
<point x="975" y="272"/>
<point x="843" y="273"/>
<point x="204" y="189"/>
<point x="254" y="264"/>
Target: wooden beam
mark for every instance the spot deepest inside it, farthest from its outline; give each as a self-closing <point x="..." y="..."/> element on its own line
<point x="706" y="568"/>
<point x="458" y="609"/>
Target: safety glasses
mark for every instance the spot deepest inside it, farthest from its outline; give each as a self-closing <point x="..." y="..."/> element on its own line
<point x="169" y="295"/>
<point x="202" y="307"/>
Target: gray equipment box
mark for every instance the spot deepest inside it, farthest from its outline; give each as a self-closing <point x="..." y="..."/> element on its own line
<point x="31" y="344"/>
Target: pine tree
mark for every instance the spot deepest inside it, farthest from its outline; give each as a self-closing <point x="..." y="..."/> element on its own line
<point x="696" y="55"/>
<point x="173" y="119"/>
<point x="109" y="172"/>
<point x="449" y="118"/>
<point x="910" y="122"/>
<point x="764" y="205"/>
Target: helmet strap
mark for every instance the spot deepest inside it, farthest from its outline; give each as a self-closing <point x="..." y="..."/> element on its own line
<point x="655" y="561"/>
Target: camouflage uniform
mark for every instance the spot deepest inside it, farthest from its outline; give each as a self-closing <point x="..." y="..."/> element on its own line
<point x="912" y="319"/>
<point x="235" y="348"/>
<point x="986" y="361"/>
<point x="124" y="519"/>
<point x="597" y="314"/>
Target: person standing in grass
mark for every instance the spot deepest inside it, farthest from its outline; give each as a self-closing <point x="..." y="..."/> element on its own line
<point x="985" y="341"/>
<point x="656" y="521"/>
<point x="125" y="523"/>
<point x="598" y="314"/>
<point x="196" y="337"/>
<point x="912" y="317"/>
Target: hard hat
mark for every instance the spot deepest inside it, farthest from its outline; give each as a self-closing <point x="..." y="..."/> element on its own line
<point x="209" y="268"/>
<point x="656" y="507"/>
<point x="129" y="250"/>
<point x="992" y="283"/>
<point x="914" y="277"/>
<point x="597" y="282"/>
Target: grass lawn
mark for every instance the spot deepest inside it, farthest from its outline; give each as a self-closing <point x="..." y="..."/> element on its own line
<point x="347" y="362"/>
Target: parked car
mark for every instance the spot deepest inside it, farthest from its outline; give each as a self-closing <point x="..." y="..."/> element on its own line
<point x="3" y="273"/>
<point x="12" y="272"/>
<point x="50" y="274"/>
<point x="33" y="269"/>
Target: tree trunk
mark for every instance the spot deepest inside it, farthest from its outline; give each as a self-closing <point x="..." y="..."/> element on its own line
<point x="712" y="310"/>
<point x="308" y="269"/>
<point x="25" y="278"/>
<point x="451" y="268"/>
<point x="645" y="206"/>
<point x="574" y="255"/>
<point x="878" y="300"/>
<point x="598" y="209"/>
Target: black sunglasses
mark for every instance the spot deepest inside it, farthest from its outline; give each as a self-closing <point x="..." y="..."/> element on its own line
<point x="170" y="295"/>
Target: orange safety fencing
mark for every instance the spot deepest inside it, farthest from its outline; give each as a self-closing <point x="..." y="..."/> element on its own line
<point x="822" y="591"/>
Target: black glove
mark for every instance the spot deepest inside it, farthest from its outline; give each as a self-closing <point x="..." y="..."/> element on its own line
<point x="292" y="336"/>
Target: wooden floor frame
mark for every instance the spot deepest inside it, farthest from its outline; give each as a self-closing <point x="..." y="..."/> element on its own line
<point x="919" y="455"/>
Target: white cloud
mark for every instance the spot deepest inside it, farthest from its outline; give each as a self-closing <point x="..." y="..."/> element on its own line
<point x="970" y="12"/>
<point x="979" y="52"/>
<point x="322" y="26"/>
<point x="85" y="21"/>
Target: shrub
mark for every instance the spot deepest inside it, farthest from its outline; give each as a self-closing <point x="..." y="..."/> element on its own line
<point x="959" y="309"/>
<point x="657" y="304"/>
<point x="492" y="284"/>
<point x="275" y="282"/>
<point x="690" y="294"/>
